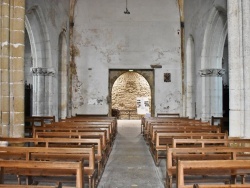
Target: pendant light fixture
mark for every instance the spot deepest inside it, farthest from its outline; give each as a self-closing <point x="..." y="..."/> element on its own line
<point x="126" y="12"/>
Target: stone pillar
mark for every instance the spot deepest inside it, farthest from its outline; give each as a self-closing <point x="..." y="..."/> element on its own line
<point x="38" y="91"/>
<point x="236" y="97"/>
<point x="49" y="92"/>
<point x="213" y="94"/>
<point x="12" y="67"/>
<point x="246" y="60"/>
<point x="190" y="107"/>
<point x="42" y="91"/>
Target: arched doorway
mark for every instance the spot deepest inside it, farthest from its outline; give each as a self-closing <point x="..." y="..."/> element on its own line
<point x="124" y="88"/>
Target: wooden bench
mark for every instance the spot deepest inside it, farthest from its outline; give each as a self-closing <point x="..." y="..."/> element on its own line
<point x="54" y="154"/>
<point x="92" y="115"/>
<point x="111" y="120"/>
<point x="214" y="167"/>
<point x="31" y="121"/>
<point x="80" y="135"/>
<point x="178" y="124"/>
<point x="63" y="142"/>
<point x="168" y="115"/>
<point x="72" y="129"/>
<point x="230" y="142"/>
<point x="183" y="128"/>
<point x="29" y="186"/>
<point x="221" y="186"/>
<point x="43" y="168"/>
<point x="165" y="139"/>
<point x="222" y="121"/>
<point x="145" y="122"/>
<point x="208" y="153"/>
<point x="80" y="125"/>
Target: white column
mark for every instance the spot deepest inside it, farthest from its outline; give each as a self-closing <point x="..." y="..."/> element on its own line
<point x="38" y="91"/>
<point x="43" y="91"/>
<point x="212" y="78"/>
<point x="236" y="100"/>
<point x="246" y="63"/>
<point x="190" y="78"/>
<point x="49" y="93"/>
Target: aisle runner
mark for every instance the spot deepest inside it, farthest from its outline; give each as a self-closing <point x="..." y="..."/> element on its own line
<point x="130" y="163"/>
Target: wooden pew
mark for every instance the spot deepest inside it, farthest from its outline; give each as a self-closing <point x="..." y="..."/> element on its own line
<point x="80" y="135"/>
<point x="31" y="121"/>
<point x="54" y="154"/>
<point x="230" y="142"/>
<point x="44" y="168"/>
<point x="29" y="186"/>
<point x="147" y="121"/>
<point x="183" y="128"/>
<point x="168" y="115"/>
<point x="80" y="125"/>
<point x="72" y="129"/>
<point x="63" y="142"/>
<point x="221" y="186"/>
<point x="207" y="153"/>
<point x="112" y="120"/>
<point x="214" y="167"/>
<point x="162" y="140"/>
<point x="222" y="121"/>
<point x="92" y="115"/>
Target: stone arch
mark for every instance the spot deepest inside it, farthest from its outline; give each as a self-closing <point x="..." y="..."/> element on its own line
<point x="39" y="37"/>
<point x="211" y="63"/>
<point x="42" y="69"/>
<point x="190" y="78"/>
<point x="63" y="83"/>
<point x="147" y="74"/>
<point x="126" y="88"/>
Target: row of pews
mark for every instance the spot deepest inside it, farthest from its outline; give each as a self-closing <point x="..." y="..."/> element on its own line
<point x="72" y="152"/>
<point x="197" y="154"/>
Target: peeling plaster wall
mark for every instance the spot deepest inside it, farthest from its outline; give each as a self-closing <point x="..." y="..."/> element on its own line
<point x="56" y="18"/>
<point x="196" y="16"/>
<point x="106" y="38"/>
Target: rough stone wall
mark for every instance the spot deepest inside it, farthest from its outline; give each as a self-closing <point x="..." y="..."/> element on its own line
<point x="11" y="67"/>
<point x="127" y="88"/>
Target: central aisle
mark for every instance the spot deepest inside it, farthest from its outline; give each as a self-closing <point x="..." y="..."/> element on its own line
<point x="130" y="163"/>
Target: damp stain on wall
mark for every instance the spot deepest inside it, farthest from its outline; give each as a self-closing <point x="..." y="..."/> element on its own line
<point x="171" y="102"/>
<point x="77" y="97"/>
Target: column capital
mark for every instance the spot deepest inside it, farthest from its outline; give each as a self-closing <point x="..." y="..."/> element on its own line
<point x="42" y="71"/>
<point x="212" y="72"/>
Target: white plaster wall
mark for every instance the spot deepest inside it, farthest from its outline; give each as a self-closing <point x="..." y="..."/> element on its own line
<point x="196" y="16"/>
<point x="56" y="18"/>
<point x="106" y="38"/>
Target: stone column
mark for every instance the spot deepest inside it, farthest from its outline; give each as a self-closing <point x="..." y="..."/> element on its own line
<point x="49" y="92"/>
<point x="38" y="91"/>
<point x="12" y="67"/>
<point x="43" y="91"/>
<point x="236" y="98"/>
<point x="213" y="95"/>
<point x="246" y="60"/>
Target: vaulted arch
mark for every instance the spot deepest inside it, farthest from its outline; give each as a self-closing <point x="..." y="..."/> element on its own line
<point x="211" y="63"/>
<point x="41" y="68"/>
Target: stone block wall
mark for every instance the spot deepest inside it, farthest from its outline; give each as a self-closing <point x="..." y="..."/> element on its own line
<point x="126" y="89"/>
